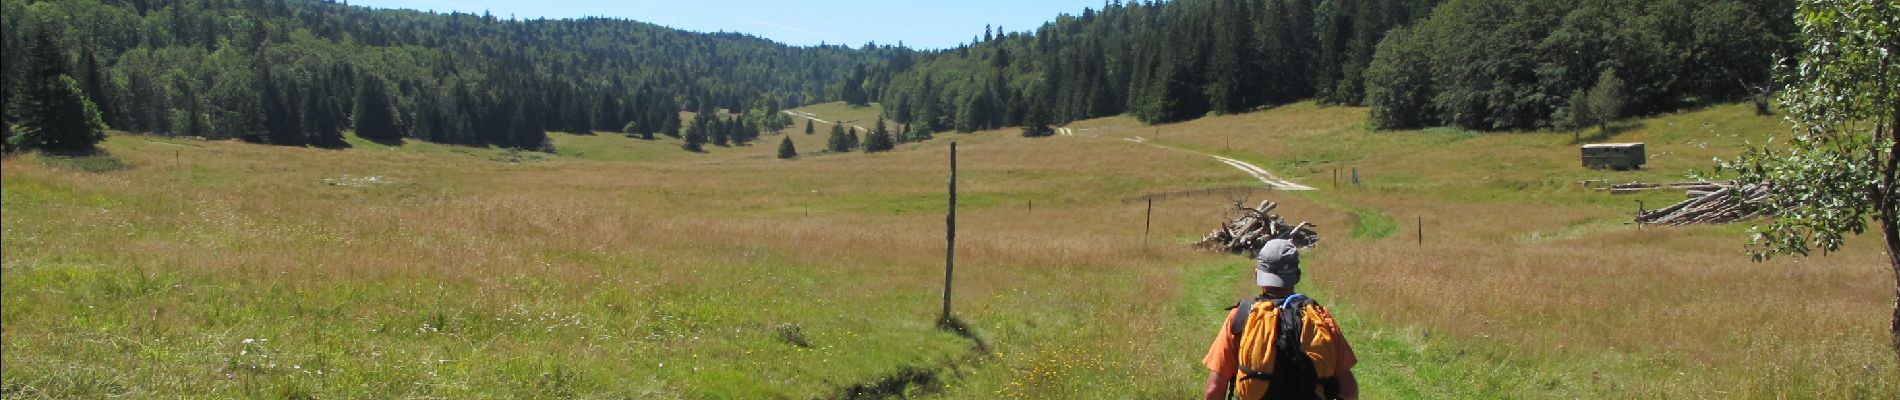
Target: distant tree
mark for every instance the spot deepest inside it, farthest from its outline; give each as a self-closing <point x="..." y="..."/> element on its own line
<point x="633" y="130"/>
<point x="1036" y="121"/>
<point x="852" y="141"/>
<point x="808" y="128"/>
<point x="918" y="133"/>
<point x="375" y="115"/>
<point x="879" y="139"/>
<point x="1597" y="106"/>
<point x="96" y="87"/>
<point x="785" y="149"/>
<point x="60" y="118"/>
<point x="743" y="131"/>
<point x="838" y="142"/>
<point x="853" y="91"/>
<point x="719" y="132"/>
<point x="1606" y="99"/>
<point x="1399" y="95"/>
<point x="320" y="115"/>
<point x="58" y="115"/>
<point x="695" y="141"/>
<point x="670" y="123"/>
<point x="1842" y="167"/>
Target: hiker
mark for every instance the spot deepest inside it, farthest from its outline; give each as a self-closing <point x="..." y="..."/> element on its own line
<point x="1250" y="354"/>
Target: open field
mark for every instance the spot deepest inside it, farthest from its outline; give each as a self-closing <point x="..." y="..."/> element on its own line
<point x="626" y="268"/>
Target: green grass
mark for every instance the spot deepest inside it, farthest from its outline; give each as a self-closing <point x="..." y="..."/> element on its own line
<point x="618" y="267"/>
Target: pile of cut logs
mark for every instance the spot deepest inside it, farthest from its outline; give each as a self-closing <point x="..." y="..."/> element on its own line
<point x="1253" y="227"/>
<point x="1725" y="204"/>
<point x="1696" y="189"/>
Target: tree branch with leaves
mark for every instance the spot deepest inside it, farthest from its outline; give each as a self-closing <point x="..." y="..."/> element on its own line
<point x="1838" y="170"/>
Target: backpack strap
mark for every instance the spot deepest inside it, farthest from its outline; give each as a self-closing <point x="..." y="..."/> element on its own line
<point x="1239" y="323"/>
<point x="1236" y="326"/>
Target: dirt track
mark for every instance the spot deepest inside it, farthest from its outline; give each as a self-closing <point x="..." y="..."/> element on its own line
<point x="1268" y="178"/>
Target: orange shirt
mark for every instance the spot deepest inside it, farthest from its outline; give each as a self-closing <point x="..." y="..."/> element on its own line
<point x="1331" y="355"/>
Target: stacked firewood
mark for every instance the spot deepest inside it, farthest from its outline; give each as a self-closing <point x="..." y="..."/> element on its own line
<point x="1723" y="205"/>
<point x="1695" y="188"/>
<point x="1252" y="227"/>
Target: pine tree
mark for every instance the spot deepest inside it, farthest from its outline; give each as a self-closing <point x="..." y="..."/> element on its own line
<point x="375" y="117"/>
<point x="785" y="149"/>
<point x="58" y="115"/>
<point x="319" y="119"/>
<point x="719" y="133"/>
<point x="62" y="119"/>
<point x="632" y="129"/>
<point x="670" y="119"/>
<point x="1036" y="120"/>
<point x="695" y="138"/>
<point x="96" y="88"/>
<point x="808" y="128"/>
<point x="838" y="142"/>
<point x="575" y="115"/>
<point x="853" y="91"/>
<point x="879" y="139"/>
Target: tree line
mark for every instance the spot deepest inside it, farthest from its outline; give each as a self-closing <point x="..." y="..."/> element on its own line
<point x="302" y="72"/>
<point x="1474" y="64"/>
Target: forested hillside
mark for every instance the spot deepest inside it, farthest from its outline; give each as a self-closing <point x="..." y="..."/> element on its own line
<point x="300" y="72"/>
<point x="1476" y="64"/>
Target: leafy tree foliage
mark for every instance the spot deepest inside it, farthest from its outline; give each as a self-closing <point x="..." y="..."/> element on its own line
<point x="1842" y="166"/>
<point x="918" y="134"/>
<point x="1400" y="97"/>
<point x="1605" y="100"/>
<point x="1597" y="106"/>
<point x="1491" y="65"/>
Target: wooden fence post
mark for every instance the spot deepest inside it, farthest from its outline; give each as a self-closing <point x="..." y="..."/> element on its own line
<point x="950" y="235"/>
<point x="1148" y="222"/>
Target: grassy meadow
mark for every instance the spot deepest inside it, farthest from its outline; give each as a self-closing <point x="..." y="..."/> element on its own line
<point x="623" y="268"/>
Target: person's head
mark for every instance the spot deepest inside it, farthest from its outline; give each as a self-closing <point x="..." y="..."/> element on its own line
<point x="1278" y="266"/>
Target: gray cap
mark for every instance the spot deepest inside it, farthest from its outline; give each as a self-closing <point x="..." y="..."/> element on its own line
<point x="1278" y="265"/>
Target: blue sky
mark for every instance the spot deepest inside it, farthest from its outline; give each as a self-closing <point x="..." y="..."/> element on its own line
<point x="918" y="24"/>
